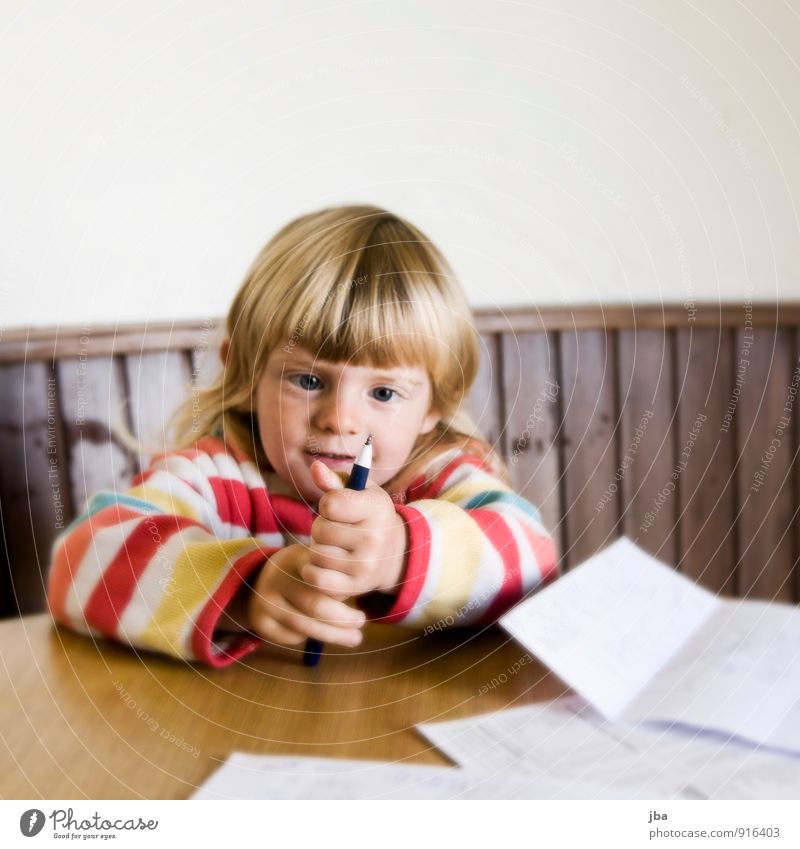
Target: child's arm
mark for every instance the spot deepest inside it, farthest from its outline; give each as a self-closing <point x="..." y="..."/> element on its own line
<point x="156" y="566"/>
<point x="463" y="550"/>
<point x="475" y="549"/>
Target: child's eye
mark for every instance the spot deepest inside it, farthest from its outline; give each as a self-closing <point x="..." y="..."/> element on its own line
<point x="383" y="393"/>
<point x="309" y="382"/>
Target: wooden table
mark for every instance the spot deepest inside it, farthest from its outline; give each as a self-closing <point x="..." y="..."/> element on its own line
<point x="85" y="719"/>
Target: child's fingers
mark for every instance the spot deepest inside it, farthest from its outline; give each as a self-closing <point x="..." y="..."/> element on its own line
<point x="345" y="505"/>
<point x="310" y="602"/>
<point x="296" y="596"/>
<point x="325" y="479"/>
<point x="332" y="557"/>
<point x="329" y="581"/>
<point x="351" y="506"/>
<point x="272" y="631"/>
<point x="323" y="630"/>
<point x="288" y="622"/>
<point x="347" y="537"/>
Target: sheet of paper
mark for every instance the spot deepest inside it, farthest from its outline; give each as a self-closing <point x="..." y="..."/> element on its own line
<point x="740" y="673"/>
<point x="760" y="777"/>
<point x="608" y="626"/>
<point x="562" y="741"/>
<point x="726" y="769"/>
<point x="245" y="776"/>
<point x="553" y="741"/>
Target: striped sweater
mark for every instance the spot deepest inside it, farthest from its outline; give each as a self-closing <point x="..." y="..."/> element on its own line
<point x="156" y="566"/>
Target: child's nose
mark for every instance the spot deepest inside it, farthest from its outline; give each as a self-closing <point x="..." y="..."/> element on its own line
<point x="339" y="413"/>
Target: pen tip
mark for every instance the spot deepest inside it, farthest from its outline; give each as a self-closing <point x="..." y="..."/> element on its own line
<point x="369" y="440"/>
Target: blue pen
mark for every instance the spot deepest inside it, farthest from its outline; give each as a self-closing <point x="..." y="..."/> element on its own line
<point x="358" y="481"/>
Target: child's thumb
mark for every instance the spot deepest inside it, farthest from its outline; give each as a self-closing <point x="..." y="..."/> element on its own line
<point x="325" y="478"/>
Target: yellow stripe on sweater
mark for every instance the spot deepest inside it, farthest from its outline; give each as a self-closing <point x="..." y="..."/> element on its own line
<point x="461" y="548"/>
<point x="198" y="570"/>
<point x="167" y="502"/>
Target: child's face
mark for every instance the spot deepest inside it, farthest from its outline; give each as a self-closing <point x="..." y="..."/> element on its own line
<point x="311" y="409"/>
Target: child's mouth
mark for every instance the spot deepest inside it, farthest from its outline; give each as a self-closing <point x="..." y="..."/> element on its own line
<point x="332" y="459"/>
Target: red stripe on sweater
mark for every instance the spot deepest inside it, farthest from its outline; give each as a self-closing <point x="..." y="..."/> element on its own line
<point x="202" y="638"/>
<point x="501" y="537"/>
<point x="142" y="476"/>
<point x="415" y="488"/>
<point x="233" y="501"/>
<point x="114" y="589"/>
<point x="72" y="549"/>
<point x="212" y="446"/>
<point x="545" y="550"/>
<point x="293" y="515"/>
<point x="263" y="517"/>
<point x="440" y="481"/>
<point x="419" y="554"/>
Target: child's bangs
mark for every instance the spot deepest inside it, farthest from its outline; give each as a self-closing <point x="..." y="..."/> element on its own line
<point x="372" y="319"/>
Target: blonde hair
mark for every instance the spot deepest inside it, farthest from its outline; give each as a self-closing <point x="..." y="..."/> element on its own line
<point x="348" y="283"/>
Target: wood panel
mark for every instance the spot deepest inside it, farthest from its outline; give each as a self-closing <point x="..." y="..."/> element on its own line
<point x="796" y="519"/>
<point x="49" y="343"/>
<point x="56" y="343"/>
<point x="94" y="392"/>
<point x="531" y="390"/>
<point x="204" y="356"/>
<point x="8" y="606"/>
<point x="649" y="506"/>
<point x="158" y="381"/>
<point x="630" y="317"/>
<point x="765" y="443"/>
<point x="706" y="445"/>
<point x="560" y="393"/>
<point x="485" y="402"/>
<point x="591" y="502"/>
<point x="35" y="494"/>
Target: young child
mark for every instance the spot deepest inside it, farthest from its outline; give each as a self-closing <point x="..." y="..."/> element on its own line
<point x="349" y="323"/>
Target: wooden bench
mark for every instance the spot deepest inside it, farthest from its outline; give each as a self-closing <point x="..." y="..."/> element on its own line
<point x="677" y="427"/>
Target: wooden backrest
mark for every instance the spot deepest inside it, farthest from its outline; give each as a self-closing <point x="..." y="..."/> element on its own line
<point x="677" y="427"/>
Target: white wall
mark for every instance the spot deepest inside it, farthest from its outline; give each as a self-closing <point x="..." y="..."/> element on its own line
<point x="592" y="151"/>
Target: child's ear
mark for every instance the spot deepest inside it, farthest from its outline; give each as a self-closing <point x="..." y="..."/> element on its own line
<point x="223" y="351"/>
<point x="430" y="421"/>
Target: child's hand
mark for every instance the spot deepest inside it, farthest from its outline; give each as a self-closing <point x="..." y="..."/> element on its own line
<point x="284" y="609"/>
<point x="358" y="541"/>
